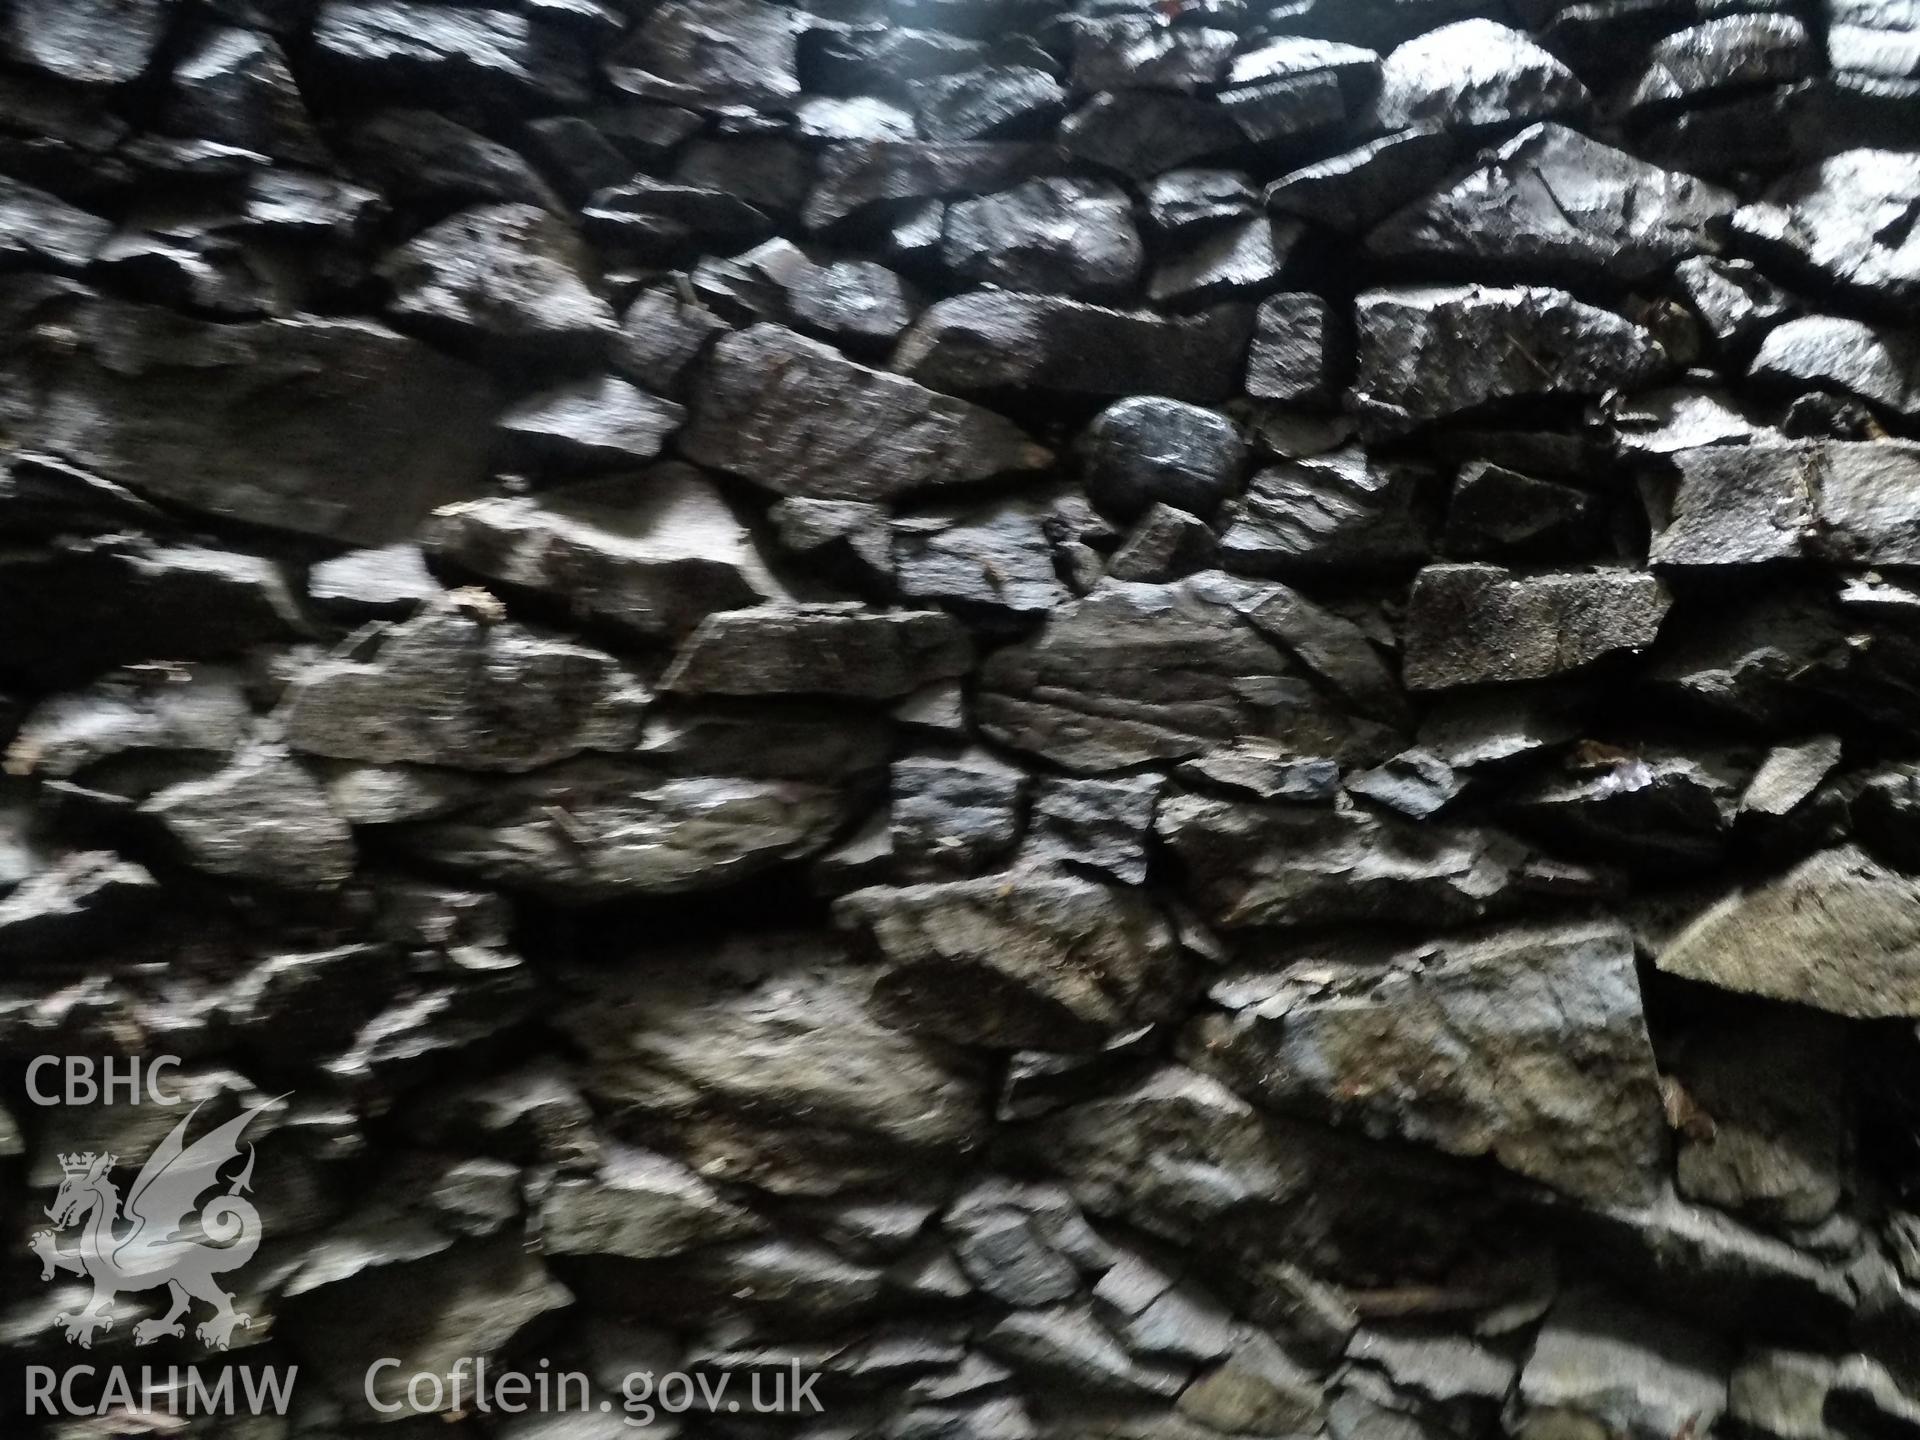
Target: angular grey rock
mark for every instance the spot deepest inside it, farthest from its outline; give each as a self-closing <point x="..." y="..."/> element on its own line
<point x="1164" y="544"/>
<point x="79" y="902"/>
<point x="860" y="118"/>
<point x="600" y="828"/>
<point x="848" y="539"/>
<point x="598" y="424"/>
<point x="1497" y="513"/>
<point x="1247" y="257"/>
<point x="663" y="220"/>
<point x="1068" y="1347"/>
<point x="854" y="303"/>
<point x="1258" y="1389"/>
<point x="1127" y="52"/>
<point x="1288" y="109"/>
<point x="413" y="51"/>
<point x="1145" y="450"/>
<point x="1790" y="774"/>
<point x="197" y="709"/>
<point x="725" y="1053"/>
<point x="1551" y="204"/>
<point x="387" y="583"/>
<point x="457" y="689"/>
<point x="88" y="42"/>
<point x="1556" y="1081"/>
<point x="1300" y="351"/>
<point x="1842" y="218"/>
<point x="1285" y="865"/>
<point x="1781" y="1393"/>
<point x="839" y="650"/>
<point x="1472" y="75"/>
<point x="1836" y="932"/>
<point x="1427" y="353"/>
<point x="1102" y="825"/>
<point x="1735" y="52"/>
<point x="1070" y="237"/>
<point x="506" y="279"/>
<point x="1265" y="770"/>
<point x="1645" y="808"/>
<point x="419" y="156"/>
<point x="1782" y="500"/>
<point x="1183" y="203"/>
<point x="1480" y="624"/>
<point x="661" y="335"/>
<point x="858" y="174"/>
<point x="1877" y="363"/>
<point x="1351" y="191"/>
<point x="309" y="425"/>
<point x="1734" y="300"/>
<point x="801" y="419"/>
<point x="954" y="817"/>
<point x="652" y="554"/>
<point x="1002" y="1253"/>
<point x="1606" y="1362"/>
<point x="261" y="818"/>
<point x="1135" y="673"/>
<point x="1342" y="511"/>
<point x="709" y="53"/>
<point x="1141" y="133"/>
<point x="991" y="561"/>
<point x="639" y="1206"/>
<point x="234" y="86"/>
<point x="1027" y="961"/>
<point x="992" y="101"/>
<point x="1415" y="783"/>
<point x="38" y="229"/>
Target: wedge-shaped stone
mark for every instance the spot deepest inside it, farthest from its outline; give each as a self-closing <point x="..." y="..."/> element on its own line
<point x="1428" y="352"/>
<point x="1878" y="363"/>
<point x="261" y="818"/>
<point x="1471" y="75"/>
<point x="1526" y="1044"/>
<point x="1846" y="218"/>
<point x="654" y="553"/>
<point x="1034" y="961"/>
<point x="1480" y="624"/>
<point x="840" y="650"/>
<point x="640" y="1206"/>
<point x="1838" y="931"/>
<point x="452" y="688"/>
<point x="1285" y="865"/>
<point x="306" y="425"/>
<point x="1552" y="204"/>
<point x="800" y="418"/>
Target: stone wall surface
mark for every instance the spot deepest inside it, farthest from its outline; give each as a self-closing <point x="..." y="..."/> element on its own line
<point x="1106" y="719"/>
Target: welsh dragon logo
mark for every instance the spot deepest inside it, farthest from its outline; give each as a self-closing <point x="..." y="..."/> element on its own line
<point x="142" y="1248"/>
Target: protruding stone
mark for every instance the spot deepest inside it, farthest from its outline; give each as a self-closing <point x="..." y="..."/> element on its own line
<point x="1146" y="449"/>
<point x="1604" y="1362"/>
<point x="1339" y="512"/>
<point x="1731" y="53"/>
<point x="1474" y="74"/>
<point x="1071" y="237"/>
<point x="835" y="650"/>
<point x="261" y="818"/>
<point x="1351" y="191"/>
<point x="1842" y="218"/>
<point x="1475" y="624"/>
<point x="1877" y="363"/>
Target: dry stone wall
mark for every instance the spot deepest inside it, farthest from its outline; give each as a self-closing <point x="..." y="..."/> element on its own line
<point x="1101" y="719"/>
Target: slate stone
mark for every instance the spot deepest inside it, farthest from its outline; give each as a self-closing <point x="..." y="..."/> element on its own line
<point x="706" y="53"/>
<point x="261" y="818"/>
<point x="1744" y="505"/>
<point x="1644" y="808"/>
<point x="991" y="561"/>
<point x="953" y="817"/>
<point x="1878" y="364"/>
<point x="1734" y="300"/>
<point x="1128" y="52"/>
<point x="1732" y="53"/>
<point x="38" y="229"/>
<point x="1415" y="783"/>
<point x="1480" y="624"/>
<point x="991" y="338"/>
<point x="1301" y="350"/>
<point x="1246" y="258"/>
<point x="1496" y="513"/>
<point x="1065" y="1346"/>
<point x="1840" y="219"/>
<point x="857" y="174"/>
<point x="1551" y="204"/>
<point x="1414" y="1051"/>
<point x="1352" y="190"/>
<point x="1164" y="544"/>
<point x="859" y="118"/>
<point x="1139" y="134"/>
<point x="776" y="408"/>
<point x="1145" y="450"/>
<point x="455" y="688"/>
<point x="1472" y="75"/>
<point x="1184" y="203"/>
<point x="652" y="555"/>
<point x="857" y="304"/>
<point x="234" y="86"/>
<point x="425" y="158"/>
<point x="1341" y="511"/>
<point x="581" y="159"/>
<point x="847" y="539"/>
<point x="1431" y="352"/>
<point x="87" y="42"/>
<point x="726" y="1054"/>
<point x="84" y="899"/>
<point x="1101" y="825"/>
<point x="838" y="650"/>
<point x="412" y="51"/>
<point x="1288" y="110"/>
<point x="1603" y="1361"/>
<point x="638" y="1206"/>
<point x="662" y="333"/>
<point x="305" y="425"/>
<point x="509" y="280"/>
<point x="1831" y="933"/>
<point x="198" y="709"/>
<point x="665" y="221"/>
<point x="988" y="103"/>
<point x="380" y="584"/>
<point x="1137" y="673"/>
<point x="1072" y="237"/>
<point x="1058" y="962"/>
<point x="598" y="424"/>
